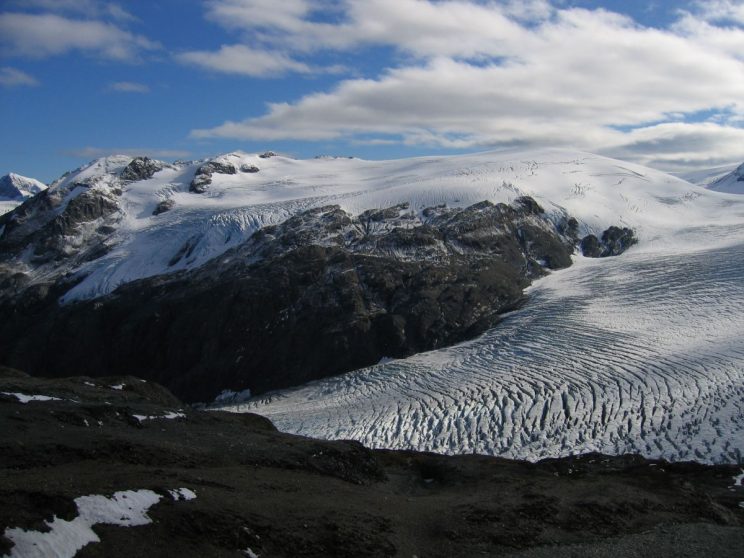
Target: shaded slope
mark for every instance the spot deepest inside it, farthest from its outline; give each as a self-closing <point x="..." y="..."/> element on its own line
<point x="641" y="353"/>
<point x="321" y="294"/>
<point x="282" y="495"/>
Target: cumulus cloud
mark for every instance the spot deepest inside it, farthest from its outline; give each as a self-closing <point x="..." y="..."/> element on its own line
<point x="420" y="27"/>
<point x="480" y="77"/>
<point x="731" y="11"/>
<point x="241" y="59"/>
<point x="129" y="87"/>
<point x="47" y="34"/>
<point x="13" y="77"/>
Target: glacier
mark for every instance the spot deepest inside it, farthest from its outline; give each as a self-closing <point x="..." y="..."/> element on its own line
<point x="636" y="354"/>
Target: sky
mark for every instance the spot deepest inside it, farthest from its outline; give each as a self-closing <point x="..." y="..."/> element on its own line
<point x="657" y="83"/>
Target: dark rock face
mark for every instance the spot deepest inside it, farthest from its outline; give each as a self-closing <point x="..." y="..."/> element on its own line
<point x="267" y="155"/>
<point x="163" y="206"/>
<point x="615" y="241"/>
<point x="46" y="222"/>
<point x="318" y="295"/>
<point x="203" y="176"/>
<point x="249" y="168"/>
<point x="141" y="168"/>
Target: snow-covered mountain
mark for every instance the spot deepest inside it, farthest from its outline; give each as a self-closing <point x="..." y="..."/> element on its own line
<point x="732" y="183"/>
<point x="135" y="220"/>
<point x="726" y="178"/>
<point x="15" y="189"/>
<point x="635" y="353"/>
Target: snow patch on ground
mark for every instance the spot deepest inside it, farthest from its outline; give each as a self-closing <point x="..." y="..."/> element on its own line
<point x="168" y="416"/>
<point x="64" y="538"/>
<point x="23" y="398"/>
<point x="182" y="494"/>
<point x="739" y="479"/>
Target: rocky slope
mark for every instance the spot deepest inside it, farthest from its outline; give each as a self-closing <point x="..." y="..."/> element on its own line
<point x="222" y="484"/>
<point x="323" y="293"/>
<point x="260" y="271"/>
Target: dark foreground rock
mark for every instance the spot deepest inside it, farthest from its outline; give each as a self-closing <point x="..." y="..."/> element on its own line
<point x="262" y="492"/>
<point x="321" y="294"/>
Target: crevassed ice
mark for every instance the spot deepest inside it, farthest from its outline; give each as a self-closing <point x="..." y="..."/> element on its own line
<point x="639" y="353"/>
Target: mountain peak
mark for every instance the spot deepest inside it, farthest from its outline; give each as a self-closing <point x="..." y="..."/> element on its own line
<point x="731" y="183"/>
<point x="16" y="187"/>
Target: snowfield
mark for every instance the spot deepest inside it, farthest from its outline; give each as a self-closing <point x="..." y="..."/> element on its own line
<point x="598" y="191"/>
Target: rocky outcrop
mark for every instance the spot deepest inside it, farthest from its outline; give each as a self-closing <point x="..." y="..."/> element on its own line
<point x="614" y="241"/>
<point x="163" y="206"/>
<point x="203" y="176"/>
<point x="320" y="294"/>
<point x="256" y="491"/>
<point x="141" y="168"/>
<point x="53" y="226"/>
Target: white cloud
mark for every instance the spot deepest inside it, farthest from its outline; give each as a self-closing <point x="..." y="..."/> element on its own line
<point x="731" y="11"/>
<point x="481" y="78"/>
<point x="129" y="87"/>
<point x="241" y="59"/>
<point x="13" y="77"/>
<point x="679" y="145"/>
<point x="96" y="152"/>
<point x="42" y="35"/>
<point x="88" y="8"/>
<point x="420" y="27"/>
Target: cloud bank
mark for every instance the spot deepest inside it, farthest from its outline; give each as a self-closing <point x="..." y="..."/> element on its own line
<point x="487" y="74"/>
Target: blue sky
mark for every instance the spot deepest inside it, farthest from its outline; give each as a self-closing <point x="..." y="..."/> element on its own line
<point x="660" y="83"/>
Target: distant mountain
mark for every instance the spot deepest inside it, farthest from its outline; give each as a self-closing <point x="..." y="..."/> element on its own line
<point x="726" y="178"/>
<point x="15" y="189"/>
<point x="120" y="219"/>
<point x="731" y="183"/>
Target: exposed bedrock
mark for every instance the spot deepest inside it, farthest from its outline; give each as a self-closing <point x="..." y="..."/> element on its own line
<point x="141" y="168"/>
<point x="318" y="295"/>
<point x="203" y="176"/>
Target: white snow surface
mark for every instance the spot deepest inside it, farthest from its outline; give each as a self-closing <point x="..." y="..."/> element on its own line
<point x="23" y="398"/>
<point x="596" y="190"/>
<point x="64" y="538"/>
<point x="182" y="494"/>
